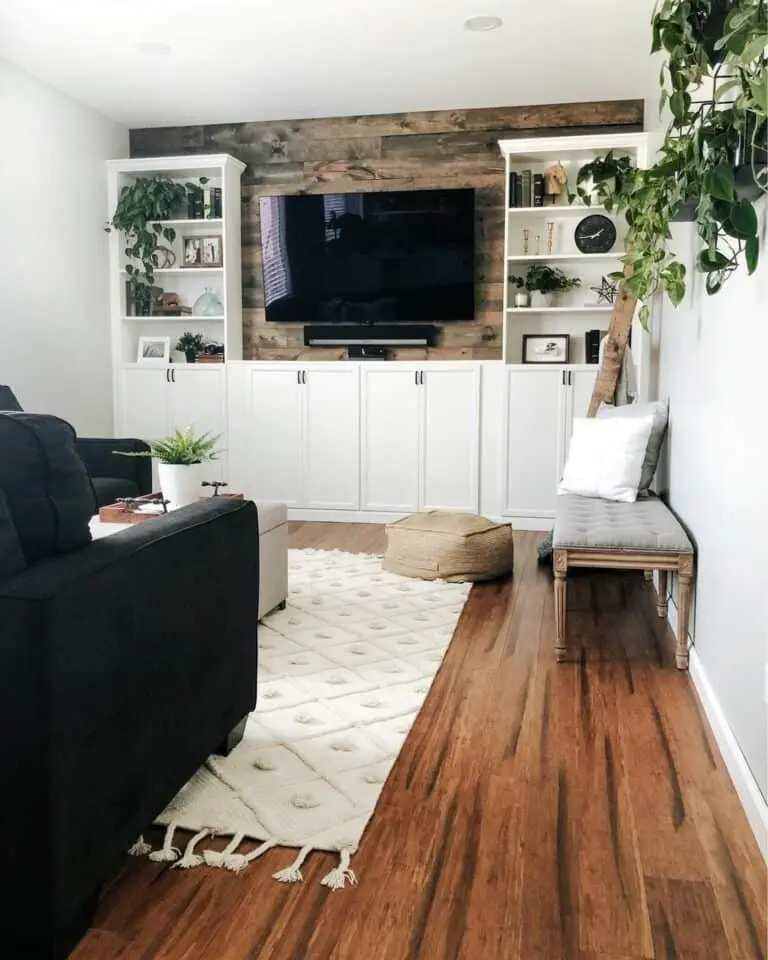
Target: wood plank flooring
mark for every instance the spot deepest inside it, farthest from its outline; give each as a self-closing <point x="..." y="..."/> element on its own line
<point x="537" y="812"/>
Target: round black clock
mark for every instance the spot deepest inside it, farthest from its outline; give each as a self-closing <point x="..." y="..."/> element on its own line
<point x="595" y="234"/>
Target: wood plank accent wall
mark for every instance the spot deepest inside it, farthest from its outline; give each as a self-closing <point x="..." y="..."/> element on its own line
<point x="404" y="151"/>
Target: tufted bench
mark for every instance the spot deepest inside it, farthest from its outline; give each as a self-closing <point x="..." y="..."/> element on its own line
<point x="644" y="535"/>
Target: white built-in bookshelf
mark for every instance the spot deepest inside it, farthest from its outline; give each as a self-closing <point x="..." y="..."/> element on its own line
<point x="189" y="282"/>
<point x="151" y="399"/>
<point x="578" y="310"/>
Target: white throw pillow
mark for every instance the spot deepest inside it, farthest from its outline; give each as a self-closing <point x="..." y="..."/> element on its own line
<point x="605" y="458"/>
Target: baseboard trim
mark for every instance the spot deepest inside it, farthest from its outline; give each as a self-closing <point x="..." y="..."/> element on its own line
<point x="375" y="516"/>
<point x="752" y="801"/>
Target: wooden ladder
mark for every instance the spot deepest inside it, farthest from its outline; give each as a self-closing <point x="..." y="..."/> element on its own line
<point x="618" y="335"/>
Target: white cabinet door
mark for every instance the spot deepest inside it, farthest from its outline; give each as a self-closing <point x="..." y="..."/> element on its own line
<point x="274" y="437"/>
<point x="144" y="403"/>
<point x="390" y="438"/>
<point x="331" y="437"/>
<point x="449" y="439"/>
<point x="533" y="415"/>
<point x="196" y="399"/>
<point x="580" y="384"/>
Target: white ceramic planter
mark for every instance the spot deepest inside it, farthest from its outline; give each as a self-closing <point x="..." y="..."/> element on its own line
<point x="181" y="484"/>
<point x="523" y="299"/>
<point x="543" y="299"/>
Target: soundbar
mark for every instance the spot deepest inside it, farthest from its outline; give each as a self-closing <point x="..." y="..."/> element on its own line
<point x="380" y="335"/>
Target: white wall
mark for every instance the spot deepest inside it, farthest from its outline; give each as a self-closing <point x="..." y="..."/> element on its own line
<point x="714" y="369"/>
<point x="54" y="284"/>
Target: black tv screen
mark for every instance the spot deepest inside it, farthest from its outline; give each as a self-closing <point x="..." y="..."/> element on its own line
<point x="369" y="258"/>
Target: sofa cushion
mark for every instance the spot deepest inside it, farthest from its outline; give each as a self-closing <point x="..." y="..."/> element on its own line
<point x="46" y="487"/>
<point x="658" y="410"/>
<point x="11" y="555"/>
<point x="109" y="489"/>
<point x="586" y="523"/>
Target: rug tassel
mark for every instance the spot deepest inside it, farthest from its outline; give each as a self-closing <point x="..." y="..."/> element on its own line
<point x="216" y="858"/>
<point x="140" y="849"/>
<point x="237" y="862"/>
<point x="191" y="859"/>
<point x="168" y="853"/>
<point x="340" y="875"/>
<point x="293" y="874"/>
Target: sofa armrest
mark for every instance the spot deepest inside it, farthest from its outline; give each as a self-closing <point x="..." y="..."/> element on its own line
<point x="101" y="460"/>
<point x="122" y="667"/>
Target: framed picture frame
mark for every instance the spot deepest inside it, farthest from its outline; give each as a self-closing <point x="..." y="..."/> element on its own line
<point x="546" y="348"/>
<point x="202" y="252"/>
<point x="154" y="351"/>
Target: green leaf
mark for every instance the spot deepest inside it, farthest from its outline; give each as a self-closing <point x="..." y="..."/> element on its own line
<point x="754" y="49"/>
<point x="644" y="315"/>
<point x="723" y="88"/>
<point x="720" y="183"/>
<point x="678" y="105"/>
<point x="712" y="260"/>
<point x="752" y="254"/>
<point x="744" y="219"/>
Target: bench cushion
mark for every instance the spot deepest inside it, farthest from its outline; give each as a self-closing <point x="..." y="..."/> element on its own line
<point x="586" y="523"/>
<point x="271" y="515"/>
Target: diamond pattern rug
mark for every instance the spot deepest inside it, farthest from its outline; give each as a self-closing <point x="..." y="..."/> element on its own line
<point x="343" y="673"/>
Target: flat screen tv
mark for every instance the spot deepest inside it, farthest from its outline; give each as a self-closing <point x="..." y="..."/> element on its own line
<point x="369" y="258"/>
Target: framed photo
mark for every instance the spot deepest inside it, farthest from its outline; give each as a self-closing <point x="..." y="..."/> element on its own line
<point x="202" y="252"/>
<point x="154" y="351"/>
<point x="543" y="348"/>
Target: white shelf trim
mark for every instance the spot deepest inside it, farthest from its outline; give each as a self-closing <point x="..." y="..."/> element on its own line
<point x="583" y="309"/>
<point x="191" y="270"/>
<point x="202" y="221"/>
<point x="527" y="258"/>
<point x="561" y="208"/>
<point x="186" y="316"/>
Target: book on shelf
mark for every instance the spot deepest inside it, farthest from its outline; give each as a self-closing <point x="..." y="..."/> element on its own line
<point x="527" y="188"/>
<point x="538" y="190"/>
<point x="513" y="179"/>
<point x="518" y="191"/>
<point x="216" y="202"/>
<point x="592" y="340"/>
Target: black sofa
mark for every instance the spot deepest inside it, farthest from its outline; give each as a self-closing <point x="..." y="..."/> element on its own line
<point x="112" y="475"/>
<point x="124" y="663"/>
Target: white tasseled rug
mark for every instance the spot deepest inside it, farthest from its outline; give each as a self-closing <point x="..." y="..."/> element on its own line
<point x="343" y="672"/>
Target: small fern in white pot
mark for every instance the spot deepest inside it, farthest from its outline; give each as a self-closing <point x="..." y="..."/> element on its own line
<point x="182" y="460"/>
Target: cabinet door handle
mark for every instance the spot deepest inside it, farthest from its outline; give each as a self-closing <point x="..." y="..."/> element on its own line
<point x="298" y="377"/>
<point x="167" y="374"/>
<point x="416" y="377"/>
<point x="421" y="377"/>
<point x="570" y="378"/>
<point x="562" y="378"/>
<point x="173" y="376"/>
<point x="304" y="377"/>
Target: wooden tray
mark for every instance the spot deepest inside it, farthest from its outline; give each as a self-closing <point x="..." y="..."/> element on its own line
<point x="119" y="512"/>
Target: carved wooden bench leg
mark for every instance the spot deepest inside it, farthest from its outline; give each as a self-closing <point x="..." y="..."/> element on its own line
<point x="561" y="572"/>
<point x="661" y="596"/>
<point x="685" y="574"/>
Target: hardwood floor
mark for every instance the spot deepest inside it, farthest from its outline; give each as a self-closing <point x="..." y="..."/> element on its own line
<point x="538" y="811"/>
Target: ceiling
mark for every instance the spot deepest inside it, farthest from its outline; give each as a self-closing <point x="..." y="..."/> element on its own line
<point x="237" y="60"/>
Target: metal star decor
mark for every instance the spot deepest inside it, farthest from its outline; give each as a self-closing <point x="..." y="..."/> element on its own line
<point x="607" y="291"/>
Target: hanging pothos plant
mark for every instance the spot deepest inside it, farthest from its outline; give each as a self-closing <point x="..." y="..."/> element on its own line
<point x="141" y="207"/>
<point x="718" y="45"/>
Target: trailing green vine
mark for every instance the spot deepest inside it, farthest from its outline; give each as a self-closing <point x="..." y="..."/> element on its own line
<point x="141" y="207"/>
<point x="716" y="43"/>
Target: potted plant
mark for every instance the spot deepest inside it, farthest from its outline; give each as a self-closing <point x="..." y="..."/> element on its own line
<point x="191" y="344"/>
<point x="712" y="163"/>
<point x="141" y="207"/>
<point x="547" y="281"/>
<point x="182" y="459"/>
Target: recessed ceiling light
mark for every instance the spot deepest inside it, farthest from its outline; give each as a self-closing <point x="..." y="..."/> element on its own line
<point x="151" y="48"/>
<point x="483" y="22"/>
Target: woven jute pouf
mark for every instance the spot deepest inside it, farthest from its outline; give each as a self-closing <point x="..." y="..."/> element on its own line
<point x="442" y="545"/>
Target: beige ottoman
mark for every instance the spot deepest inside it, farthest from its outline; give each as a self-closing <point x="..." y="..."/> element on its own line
<point x="273" y="556"/>
<point x="438" y="545"/>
